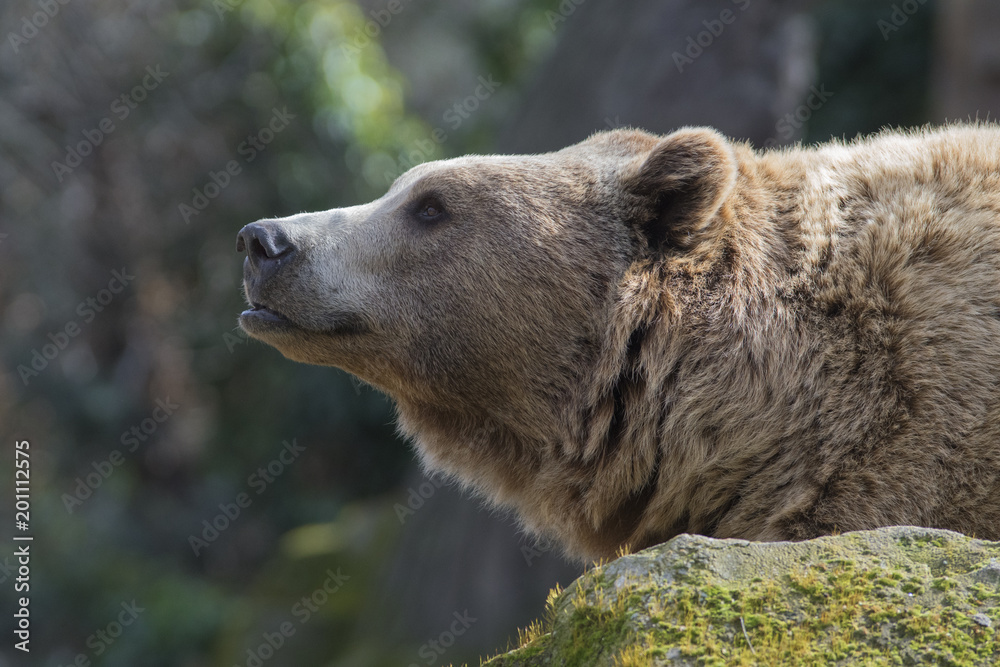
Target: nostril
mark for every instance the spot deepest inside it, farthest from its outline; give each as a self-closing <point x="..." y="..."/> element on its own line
<point x="257" y="248"/>
<point x="263" y="242"/>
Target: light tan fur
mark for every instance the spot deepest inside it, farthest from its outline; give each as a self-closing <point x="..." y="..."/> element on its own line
<point x="639" y="336"/>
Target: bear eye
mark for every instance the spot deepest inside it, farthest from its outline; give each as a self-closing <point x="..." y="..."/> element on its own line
<point x="429" y="210"/>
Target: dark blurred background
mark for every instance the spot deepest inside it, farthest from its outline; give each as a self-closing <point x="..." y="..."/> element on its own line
<point x="137" y="137"/>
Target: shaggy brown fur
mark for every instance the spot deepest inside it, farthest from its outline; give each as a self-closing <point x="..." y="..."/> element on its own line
<point x="639" y="336"/>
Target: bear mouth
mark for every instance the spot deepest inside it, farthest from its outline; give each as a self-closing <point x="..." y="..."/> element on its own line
<point x="263" y="320"/>
<point x="261" y="313"/>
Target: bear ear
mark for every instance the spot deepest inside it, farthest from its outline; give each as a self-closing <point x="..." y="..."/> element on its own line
<point x="681" y="185"/>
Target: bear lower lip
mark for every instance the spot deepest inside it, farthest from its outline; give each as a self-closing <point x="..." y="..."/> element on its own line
<point x="263" y="314"/>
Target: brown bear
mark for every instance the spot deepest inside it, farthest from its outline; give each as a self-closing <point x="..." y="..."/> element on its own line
<point x="639" y="336"/>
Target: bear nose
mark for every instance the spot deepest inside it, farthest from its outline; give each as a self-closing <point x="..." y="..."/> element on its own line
<point x="266" y="245"/>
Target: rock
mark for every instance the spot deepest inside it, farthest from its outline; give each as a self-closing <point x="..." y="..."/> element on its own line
<point x="898" y="595"/>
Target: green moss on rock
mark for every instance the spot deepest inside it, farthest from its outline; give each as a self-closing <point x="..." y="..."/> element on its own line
<point x="894" y="596"/>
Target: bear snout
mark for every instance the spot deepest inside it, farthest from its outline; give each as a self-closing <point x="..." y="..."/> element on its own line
<point x="267" y="246"/>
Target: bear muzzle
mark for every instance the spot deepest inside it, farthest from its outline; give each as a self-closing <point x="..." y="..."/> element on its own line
<point x="268" y="250"/>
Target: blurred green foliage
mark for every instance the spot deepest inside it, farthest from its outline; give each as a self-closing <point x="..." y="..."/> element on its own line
<point x="170" y="335"/>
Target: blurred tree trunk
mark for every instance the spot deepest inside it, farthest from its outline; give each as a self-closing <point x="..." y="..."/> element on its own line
<point x="967" y="60"/>
<point x="455" y="555"/>
<point x="736" y="65"/>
